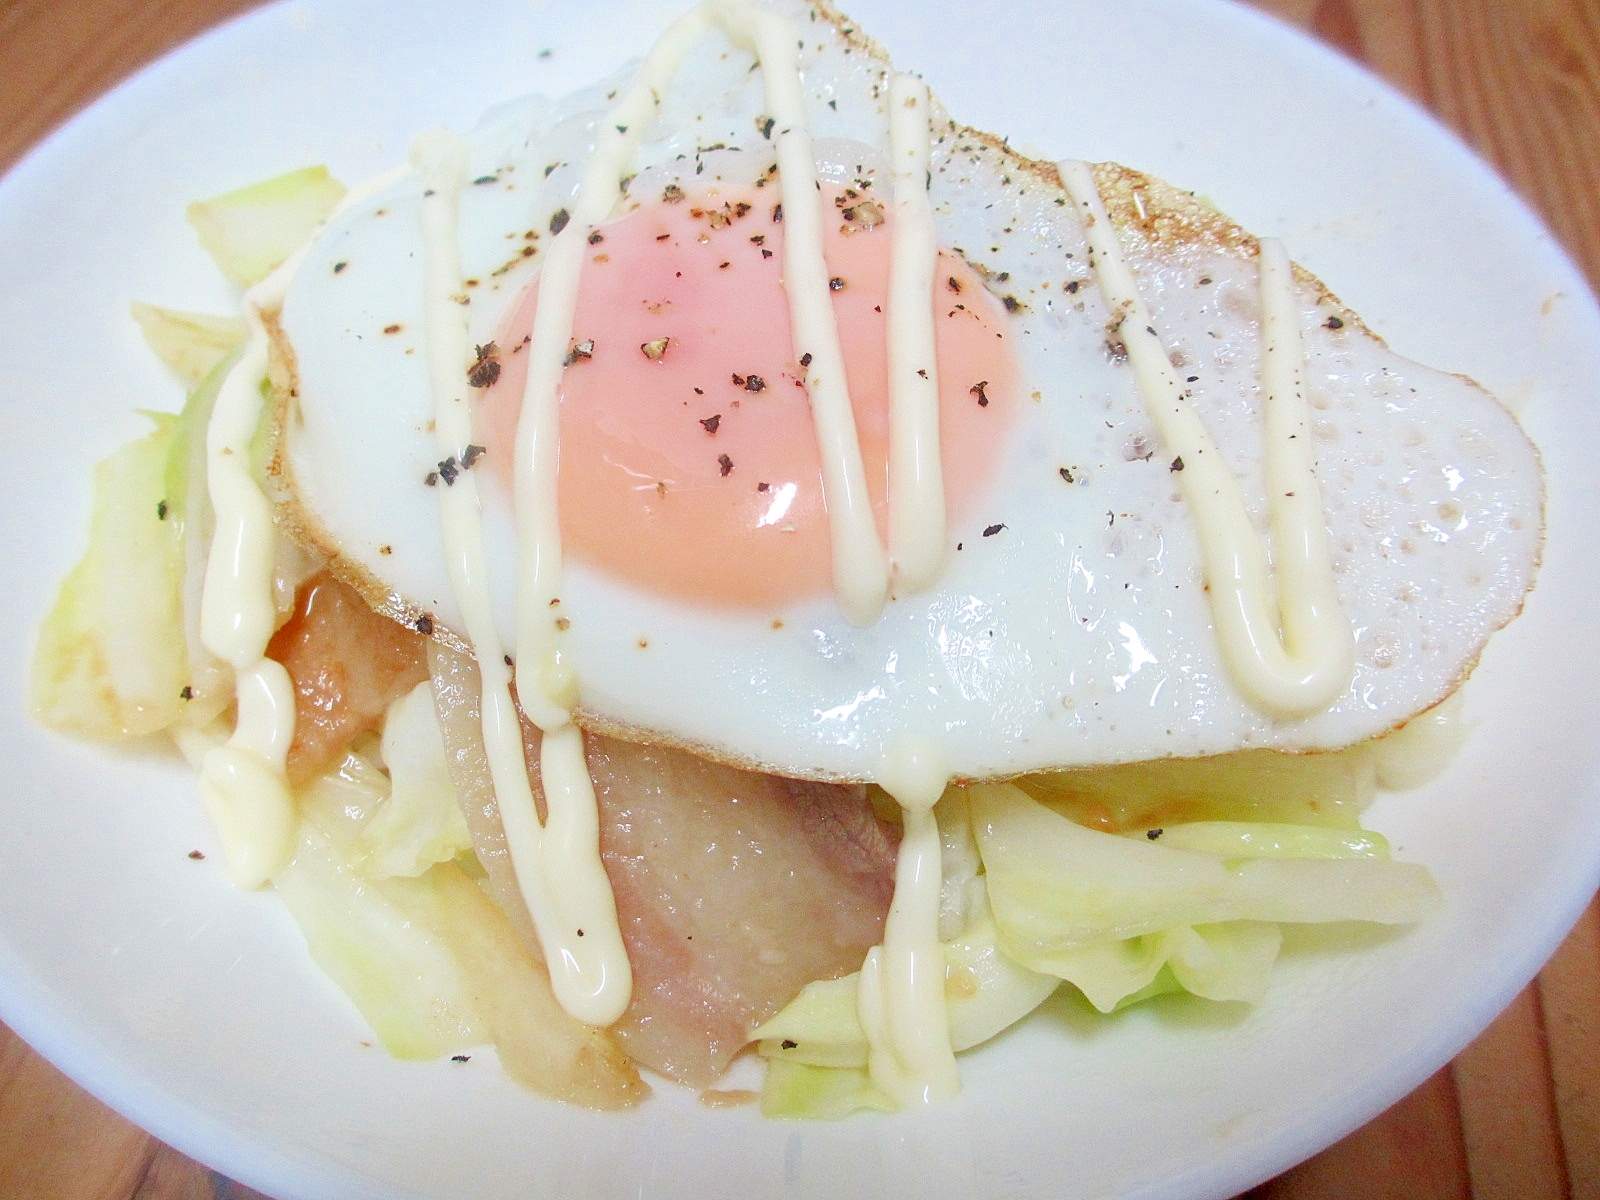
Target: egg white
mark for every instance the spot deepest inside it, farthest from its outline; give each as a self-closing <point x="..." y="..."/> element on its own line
<point x="1079" y="632"/>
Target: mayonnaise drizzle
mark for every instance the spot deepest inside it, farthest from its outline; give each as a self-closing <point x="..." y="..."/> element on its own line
<point x="917" y="545"/>
<point x="1310" y="664"/>
<point x="902" y="992"/>
<point x="900" y="997"/>
<point x="242" y="783"/>
<point x="558" y="866"/>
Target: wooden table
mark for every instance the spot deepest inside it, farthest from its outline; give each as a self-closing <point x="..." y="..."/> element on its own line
<point x="1517" y="1115"/>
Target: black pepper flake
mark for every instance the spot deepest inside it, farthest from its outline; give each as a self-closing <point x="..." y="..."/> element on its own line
<point x="391" y="329"/>
<point x="461" y="1058"/>
<point x="596" y="238"/>
<point x="754" y="383"/>
<point x="1153" y="834"/>
<point x="507" y="657"/>
<point x="485" y="368"/>
<point x="1334" y="323"/>
<point x="805" y="359"/>
<point x="726" y="465"/>
<point x="709" y="424"/>
<point x="763" y="487"/>
<point x="923" y="372"/>
<point x="1012" y="304"/>
<point x="953" y="284"/>
<point x="431" y="478"/>
<point x="836" y="284"/>
<point x="991" y="530"/>
<point x="765" y="124"/>
<point x="765" y="253"/>
<point x="161" y="510"/>
<point x="777" y="213"/>
<point x="197" y="855"/>
<point x="448" y="470"/>
<point x="1177" y="464"/>
<point x="1072" y="286"/>
<point x="788" y="1043"/>
<point x="977" y="390"/>
<point x="558" y="220"/>
<point x="423" y="625"/>
<point x="471" y="455"/>
<point x="1066" y="473"/>
<point x="759" y="238"/>
<point x="187" y="693"/>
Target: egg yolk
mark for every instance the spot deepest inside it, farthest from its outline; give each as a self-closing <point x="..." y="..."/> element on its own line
<point x="689" y="464"/>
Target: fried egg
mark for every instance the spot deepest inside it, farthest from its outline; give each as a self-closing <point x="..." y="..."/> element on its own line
<point x="1070" y="621"/>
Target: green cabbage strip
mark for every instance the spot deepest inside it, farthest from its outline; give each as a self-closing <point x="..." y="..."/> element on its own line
<point x="1107" y="913"/>
<point x="1033" y="898"/>
<point x="400" y="922"/>
<point x="251" y="231"/>
<point x="191" y="343"/>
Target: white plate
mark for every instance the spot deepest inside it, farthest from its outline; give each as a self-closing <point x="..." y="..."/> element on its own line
<point x="193" y="1008"/>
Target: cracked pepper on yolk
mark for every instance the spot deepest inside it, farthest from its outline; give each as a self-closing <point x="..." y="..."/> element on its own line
<point x="689" y="463"/>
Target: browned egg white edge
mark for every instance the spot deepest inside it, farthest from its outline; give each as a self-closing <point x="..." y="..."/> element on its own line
<point x="1149" y="208"/>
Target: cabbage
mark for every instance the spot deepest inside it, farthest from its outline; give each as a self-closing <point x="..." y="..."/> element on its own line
<point x="815" y="1047"/>
<point x="431" y="962"/>
<point x="794" y="1089"/>
<point x="111" y="659"/>
<point x="251" y="231"/>
<point x="192" y="344"/>
<point x="1109" y="913"/>
<point x="1326" y="789"/>
<point x="419" y="822"/>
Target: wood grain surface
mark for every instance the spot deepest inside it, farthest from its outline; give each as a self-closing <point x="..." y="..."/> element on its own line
<point x="1516" y="1115"/>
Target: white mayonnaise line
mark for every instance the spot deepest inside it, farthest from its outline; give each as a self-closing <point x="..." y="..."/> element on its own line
<point x="1312" y="664"/>
<point x="916" y="469"/>
<point x="546" y="685"/>
<point x="242" y="782"/>
<point x="546" y="681"/>
<point x="900" y="998"/>
<point x="558" y="866"/>
<point x="860" y="565"/>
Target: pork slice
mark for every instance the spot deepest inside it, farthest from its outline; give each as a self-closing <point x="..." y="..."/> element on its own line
<point x="348" y="665"/>
<point x="734" y="891"/>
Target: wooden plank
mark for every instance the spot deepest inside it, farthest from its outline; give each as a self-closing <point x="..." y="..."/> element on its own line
<point x="56" y="1140"/>
<point x="1508" y="1115"/>
<point x="1569" y="992"/>
<point x="109" y="40"/>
